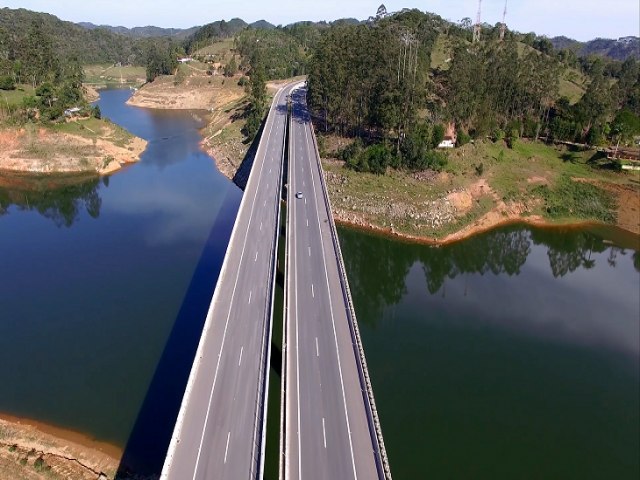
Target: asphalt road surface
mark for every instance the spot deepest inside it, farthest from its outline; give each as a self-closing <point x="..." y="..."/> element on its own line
<point x="219" y="432"/>
<point x="326" y="425"/>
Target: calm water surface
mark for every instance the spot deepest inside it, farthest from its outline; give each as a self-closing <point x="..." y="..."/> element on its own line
<point x="510" y="355"/>
<point x="93" y="277"/>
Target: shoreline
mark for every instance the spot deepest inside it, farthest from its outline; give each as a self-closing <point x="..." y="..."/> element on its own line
<point x="472" y="230"/>
<point x="45" y="151"/>
<point x="28" y="446"/>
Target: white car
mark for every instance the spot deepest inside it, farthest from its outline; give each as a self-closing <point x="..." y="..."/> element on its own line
<point x="298" y="194"/>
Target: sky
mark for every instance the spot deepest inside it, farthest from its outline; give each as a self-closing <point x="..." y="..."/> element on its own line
<point x="579" y="19"/>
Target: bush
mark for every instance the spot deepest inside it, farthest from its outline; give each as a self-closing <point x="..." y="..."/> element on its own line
<point x="350" y="152"/>
<point x="435" y="160"/>
<point x="95" y="112"/>
<point x="437" y="135"/>
<point x="577" y="200"/>
<point x="378" y="158"/>
<point x="497" y="135"/>
<point x="462" y="138"/>
<point x="7" y="83"/>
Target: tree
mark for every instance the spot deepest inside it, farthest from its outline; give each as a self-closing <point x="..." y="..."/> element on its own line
<point x="231" y="68"/>
<point x="257" y="98"/>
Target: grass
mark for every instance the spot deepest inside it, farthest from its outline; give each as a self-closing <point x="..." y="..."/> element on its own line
<point x="556" y="183"/>
<point x="441" y="53"/>
<point x="13" y="98"/>
<point x="108" y="74"/>
<point x="220" y="49"/>
<point x="568" y="199"/>
<point x="94" y="128"/>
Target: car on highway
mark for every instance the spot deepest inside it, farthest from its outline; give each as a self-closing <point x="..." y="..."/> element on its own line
<point x="298" y="194"/>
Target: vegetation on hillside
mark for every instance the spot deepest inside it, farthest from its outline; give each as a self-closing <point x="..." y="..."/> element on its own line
<point x="375" y="82"/>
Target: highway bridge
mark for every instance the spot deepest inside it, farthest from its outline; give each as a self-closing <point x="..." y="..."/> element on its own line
<point x="329" y="425"/>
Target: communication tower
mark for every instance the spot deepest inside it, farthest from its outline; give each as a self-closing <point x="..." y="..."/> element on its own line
<point x="503" y="26"/>
<point x="477" y="28"/>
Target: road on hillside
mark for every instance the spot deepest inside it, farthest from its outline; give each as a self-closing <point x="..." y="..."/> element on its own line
<point x="219" y="429"/>
<point x="328" y="435"/>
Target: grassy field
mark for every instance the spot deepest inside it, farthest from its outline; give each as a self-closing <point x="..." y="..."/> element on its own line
<point x="13" y="98"/>
<point x="109" y="75"/>
<point x="442" y="51"/>
<point x="485" y="180"/>
<point x="221" y="49"/>
<point x="94" y="128"/>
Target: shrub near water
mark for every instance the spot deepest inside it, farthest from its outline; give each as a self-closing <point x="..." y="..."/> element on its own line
<point x="577" y="200"/>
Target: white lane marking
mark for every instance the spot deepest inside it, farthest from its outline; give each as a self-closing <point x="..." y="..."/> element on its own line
<point x="303" y="183"/>
<point x="295" y="273"/>
<point x="333" y="322"/>
<point x="324" y="434"/>
<point x="265" y="203"/>
<point x="317" y="350"/>
<point x="226" y="449"/>
<point x="309" y="251"/>
<point x="270" y="169"/>
<point x="250" y="292"/>
<point x="256" y="259"/>
<point x="240" y="360"/>
<point x="312" y="292"/>
<point x="260" y="226"/>
<point x="307" y="222"/>
<point x="305" y="200"/>
<point x="226" y="325"/>
<point x="267" y="186"/>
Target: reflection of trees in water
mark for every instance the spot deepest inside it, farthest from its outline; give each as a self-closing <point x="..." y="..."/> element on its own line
<point x="376" y="270"/>
<point x="59" y="199"/>
<point x="573" y="249"/>
<point x="378" y="267"/>
<point x="502" y="251"/>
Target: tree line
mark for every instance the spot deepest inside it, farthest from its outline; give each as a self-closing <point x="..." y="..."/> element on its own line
<point x="374" y="82"/>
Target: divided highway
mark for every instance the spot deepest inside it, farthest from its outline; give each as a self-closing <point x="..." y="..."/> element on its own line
<point x="329" y="430"/>
<point x="221" y="425"/>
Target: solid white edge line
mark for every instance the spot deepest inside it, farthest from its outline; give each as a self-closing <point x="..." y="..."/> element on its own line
<point x="175" y="438"/>
<point x="317" y="350"/>
<point x="240" y="360"/>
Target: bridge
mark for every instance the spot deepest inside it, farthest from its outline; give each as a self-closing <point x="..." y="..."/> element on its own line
<point x="329" y="424"/>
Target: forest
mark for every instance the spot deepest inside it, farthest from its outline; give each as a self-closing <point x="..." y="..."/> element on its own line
<point x="374" y="82"/>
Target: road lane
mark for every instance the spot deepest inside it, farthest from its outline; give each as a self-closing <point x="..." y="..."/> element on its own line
<point x="219" y="432"/>
<point x="326" y="425"/>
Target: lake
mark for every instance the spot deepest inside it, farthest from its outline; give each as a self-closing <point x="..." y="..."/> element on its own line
<point x="513" y="354"/>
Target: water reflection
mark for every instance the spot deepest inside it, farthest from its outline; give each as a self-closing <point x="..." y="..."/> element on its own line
<point x="60" y="199"/>
<point x="503" y="251"/>
<point x="516" y="350"/>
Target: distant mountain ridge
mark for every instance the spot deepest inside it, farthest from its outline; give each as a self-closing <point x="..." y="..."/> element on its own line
<point x="143" y="32"/>
<point x="619" y="49"/>
<point x="179" y="33"/>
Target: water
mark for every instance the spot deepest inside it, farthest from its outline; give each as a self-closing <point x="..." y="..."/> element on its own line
<point x="514" y="354"/>
<point x="96" y="273"/>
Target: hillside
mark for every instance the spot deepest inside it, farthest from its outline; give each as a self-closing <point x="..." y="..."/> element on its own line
<point x="68" y="39"/>
<point x="143" y="32"/>
<point x="619" y="49"/>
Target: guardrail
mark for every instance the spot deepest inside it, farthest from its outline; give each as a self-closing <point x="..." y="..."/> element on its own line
<point x="175" y="439"/>
<point x="381" y="457"/>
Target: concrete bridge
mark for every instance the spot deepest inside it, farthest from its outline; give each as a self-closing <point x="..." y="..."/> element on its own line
<point x="330" y="428"/>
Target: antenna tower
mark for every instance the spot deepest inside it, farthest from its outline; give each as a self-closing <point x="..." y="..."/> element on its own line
<point x="477" y="27"/>
<point x="503" y="26"/>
